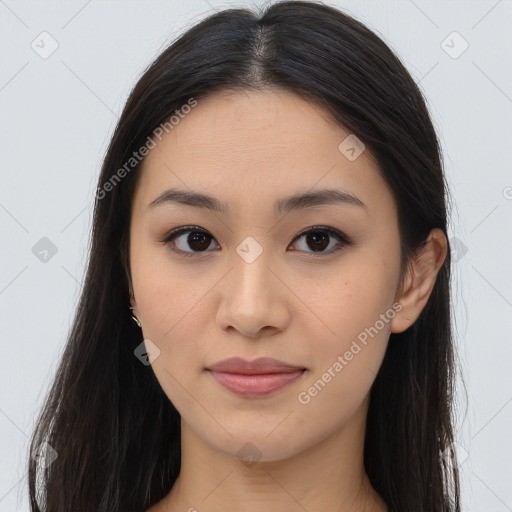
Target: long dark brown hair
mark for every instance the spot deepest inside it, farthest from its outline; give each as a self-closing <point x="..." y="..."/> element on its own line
<point x="115" y="432"/>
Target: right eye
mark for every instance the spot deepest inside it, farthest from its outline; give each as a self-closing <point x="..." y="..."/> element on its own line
<point x="192" y="236"/>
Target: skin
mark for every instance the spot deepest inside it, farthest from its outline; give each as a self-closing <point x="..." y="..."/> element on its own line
<point x="304" y="307"/>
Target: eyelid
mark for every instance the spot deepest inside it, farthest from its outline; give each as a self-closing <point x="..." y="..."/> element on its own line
<point x="327" y="229"/>
<point x="342" y="238"/>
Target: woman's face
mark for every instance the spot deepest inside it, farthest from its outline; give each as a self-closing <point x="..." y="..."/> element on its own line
<point x="245" y="282"/>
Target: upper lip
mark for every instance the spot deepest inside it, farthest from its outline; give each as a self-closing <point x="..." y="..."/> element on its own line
<point x="258" y="366"/>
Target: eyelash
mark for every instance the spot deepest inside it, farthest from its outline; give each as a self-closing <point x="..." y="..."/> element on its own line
<point x="343" y="240"/>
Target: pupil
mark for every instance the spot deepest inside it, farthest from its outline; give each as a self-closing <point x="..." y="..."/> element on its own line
<point x="317" y="237"/>
<point x="194" y="238"/>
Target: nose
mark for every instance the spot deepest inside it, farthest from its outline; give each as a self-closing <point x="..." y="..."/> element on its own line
<point x="255" y="301"/>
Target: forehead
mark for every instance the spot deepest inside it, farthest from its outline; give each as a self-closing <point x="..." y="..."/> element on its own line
<point x="247" y="147"/>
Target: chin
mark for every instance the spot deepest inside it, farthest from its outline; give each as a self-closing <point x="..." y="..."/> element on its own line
<point x="250" y="447"/>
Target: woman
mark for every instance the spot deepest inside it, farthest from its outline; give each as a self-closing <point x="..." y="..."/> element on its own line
<point x="265" y="319"/>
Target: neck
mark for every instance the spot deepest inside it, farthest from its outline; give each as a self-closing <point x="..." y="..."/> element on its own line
<point x="328" y="476"/>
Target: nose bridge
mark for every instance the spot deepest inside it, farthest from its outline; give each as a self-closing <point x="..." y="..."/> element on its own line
<point x="251" y="300"/>
<point x="251" y="274"/>
<point x="254" y="298"/>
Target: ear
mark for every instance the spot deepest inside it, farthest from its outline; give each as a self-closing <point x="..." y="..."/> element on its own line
<point x="420" y="280"/>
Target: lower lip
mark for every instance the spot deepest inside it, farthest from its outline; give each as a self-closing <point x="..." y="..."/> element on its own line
<point x="251" y="386"/>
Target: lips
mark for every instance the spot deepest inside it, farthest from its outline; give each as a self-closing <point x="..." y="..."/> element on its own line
<point x="260" y="366"/>
<point x="252" y="379"/>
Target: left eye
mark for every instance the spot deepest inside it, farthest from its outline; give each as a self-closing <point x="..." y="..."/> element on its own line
<point x="318" y="238"/>
<point x="199" y="240"/>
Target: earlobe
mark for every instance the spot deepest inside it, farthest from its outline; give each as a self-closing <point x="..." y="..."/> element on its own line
<point x="420" y="280"/>
<point x="401" y="321"/>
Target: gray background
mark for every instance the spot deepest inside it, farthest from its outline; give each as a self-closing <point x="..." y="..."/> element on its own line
<point x="58" y="112"/>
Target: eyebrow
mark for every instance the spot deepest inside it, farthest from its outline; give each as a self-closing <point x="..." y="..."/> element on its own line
<point x="299" y="201"/>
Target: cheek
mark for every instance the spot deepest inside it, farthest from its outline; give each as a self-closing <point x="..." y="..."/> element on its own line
<point x="351" y="299"/>
<point x="173" y="306"/>
<point x="173" y="316"/>
<point x="170" y="302"/>
<point x="346" y="365"/>
<point x="356" y="310"/>
<point x="166" y="292"/>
